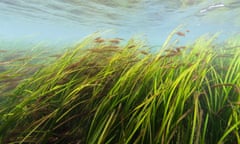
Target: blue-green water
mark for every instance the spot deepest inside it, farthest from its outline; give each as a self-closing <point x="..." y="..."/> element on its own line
<point x="67" y="21"/>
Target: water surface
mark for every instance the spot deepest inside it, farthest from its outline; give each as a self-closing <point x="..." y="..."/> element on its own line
<point x="66" y="21"/>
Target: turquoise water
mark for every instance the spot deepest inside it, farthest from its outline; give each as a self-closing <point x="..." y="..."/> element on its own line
<point x="67" y="21"/>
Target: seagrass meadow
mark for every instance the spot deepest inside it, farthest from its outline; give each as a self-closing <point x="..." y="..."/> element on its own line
<point x="105" y="91"/>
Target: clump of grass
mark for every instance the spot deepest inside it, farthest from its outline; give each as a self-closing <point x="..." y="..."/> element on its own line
<point x="102" y="91"/>
<point x="15" y="66"/>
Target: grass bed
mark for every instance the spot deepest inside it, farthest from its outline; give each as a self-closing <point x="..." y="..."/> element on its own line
<point x="103" y="91"/>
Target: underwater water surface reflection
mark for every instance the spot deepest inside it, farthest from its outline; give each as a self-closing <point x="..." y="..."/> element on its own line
<point x="70" y="20"/>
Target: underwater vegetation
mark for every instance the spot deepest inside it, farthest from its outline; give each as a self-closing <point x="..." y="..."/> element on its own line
<point x="107" y="91"/>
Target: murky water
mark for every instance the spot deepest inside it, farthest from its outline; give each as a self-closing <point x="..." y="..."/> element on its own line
<point x="58" y="21"/>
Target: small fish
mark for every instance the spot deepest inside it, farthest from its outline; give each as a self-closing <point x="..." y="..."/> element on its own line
<point x="63" y="81"/>
<point x="172" y="51"/>
<point x="144" y="52"/>
<point x="73" y="66"/>
<point x="178" y="49"/>
<point x="131" y="46"/>
<point x="115" y="41"/>
<point x="99" y="40"/>
<point x="188" y="31"/>
<point x="181" y="34"/>
<point x="171" y="54"/>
